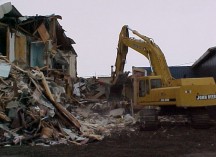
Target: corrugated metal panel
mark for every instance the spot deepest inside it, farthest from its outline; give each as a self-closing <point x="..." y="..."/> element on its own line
<point x="178" y="71"/>
<point x="7" y="9"/>
<point x="211" y="51"/>
<point x="182" y="72"/>
<point x="207" y="68"/>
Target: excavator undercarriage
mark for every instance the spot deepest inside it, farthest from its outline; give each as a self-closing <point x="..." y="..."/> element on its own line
<point x="197" y="118"/>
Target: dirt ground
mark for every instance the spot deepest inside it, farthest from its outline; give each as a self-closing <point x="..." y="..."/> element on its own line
<point x="168" y="141"/>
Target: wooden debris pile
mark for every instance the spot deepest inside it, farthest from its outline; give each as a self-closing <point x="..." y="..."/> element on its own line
<point x="34" y="110"/>
<point x="30" y="112"/>
<point x="91" y="88"/>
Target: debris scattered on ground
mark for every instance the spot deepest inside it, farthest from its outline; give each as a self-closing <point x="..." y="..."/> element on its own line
<point x="35" y="110"/>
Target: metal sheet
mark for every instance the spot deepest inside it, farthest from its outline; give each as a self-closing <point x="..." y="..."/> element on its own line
<point x="4" y="69"/>
<point x="4" y="9"/>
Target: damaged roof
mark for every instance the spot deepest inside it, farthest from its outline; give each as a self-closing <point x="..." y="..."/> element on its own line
<point x="8" y="10"/>
<point x="29" y="24"/>
<point x="64" y="41"/>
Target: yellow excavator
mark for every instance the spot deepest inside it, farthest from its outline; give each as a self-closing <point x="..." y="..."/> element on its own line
<point x="160" y="89"/>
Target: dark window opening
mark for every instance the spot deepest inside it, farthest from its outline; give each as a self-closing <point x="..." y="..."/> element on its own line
<point x="156" y="83"/>
<point x="3" y="39"/>
<point x="143" y="88"/>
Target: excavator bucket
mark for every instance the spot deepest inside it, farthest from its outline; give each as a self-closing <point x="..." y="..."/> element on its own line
<point x="119" y="77"/>
<point x="117" y="87"/>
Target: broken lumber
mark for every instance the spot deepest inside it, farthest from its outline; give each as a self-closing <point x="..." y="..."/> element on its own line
<point x="62" y="110"/>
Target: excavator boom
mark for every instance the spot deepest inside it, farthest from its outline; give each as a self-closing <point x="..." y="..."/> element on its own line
<point x="146" y="47"/>
<point x="122" y="51"/>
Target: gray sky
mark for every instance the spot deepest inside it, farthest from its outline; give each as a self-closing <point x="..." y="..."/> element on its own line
<point x="183" y="29"/>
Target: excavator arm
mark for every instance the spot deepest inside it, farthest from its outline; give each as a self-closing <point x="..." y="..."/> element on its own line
<point x="146" y="47"/>
<point x="122" y="51"/>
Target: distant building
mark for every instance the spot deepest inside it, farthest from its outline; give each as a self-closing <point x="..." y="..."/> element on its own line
<point x="178" y="71"/>
<point x="205" y="66"/>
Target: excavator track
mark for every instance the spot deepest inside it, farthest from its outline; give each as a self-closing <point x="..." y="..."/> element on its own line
<point x="148" y="119"/>
<point x="200" y="118"/>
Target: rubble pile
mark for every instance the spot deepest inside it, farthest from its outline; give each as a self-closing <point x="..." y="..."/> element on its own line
<point x="35" y="110"/>
<point x="91" y="88"/>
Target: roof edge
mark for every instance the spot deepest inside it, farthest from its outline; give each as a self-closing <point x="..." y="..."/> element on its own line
<point x="203" y="57"/>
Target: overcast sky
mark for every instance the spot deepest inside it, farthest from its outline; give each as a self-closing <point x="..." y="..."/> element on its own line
<point x="183" y="29"/>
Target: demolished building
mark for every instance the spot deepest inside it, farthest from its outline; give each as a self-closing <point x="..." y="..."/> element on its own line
<point x="37" y="77"/>
<point x="37" y="41"/>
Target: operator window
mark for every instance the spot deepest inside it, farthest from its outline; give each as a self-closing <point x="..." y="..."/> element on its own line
<point x="146" y="86"/>
<point x="155" y="83"/>
<point x="141" y="88"/>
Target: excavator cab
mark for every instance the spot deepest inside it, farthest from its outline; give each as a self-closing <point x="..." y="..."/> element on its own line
<point x="144" y="85"/>
<point x="150" y="91"/>
<point x="148" y="83"/>
<point x="148" y="114"/>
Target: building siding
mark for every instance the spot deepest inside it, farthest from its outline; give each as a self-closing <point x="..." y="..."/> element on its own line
<point x="206" y="67"/>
